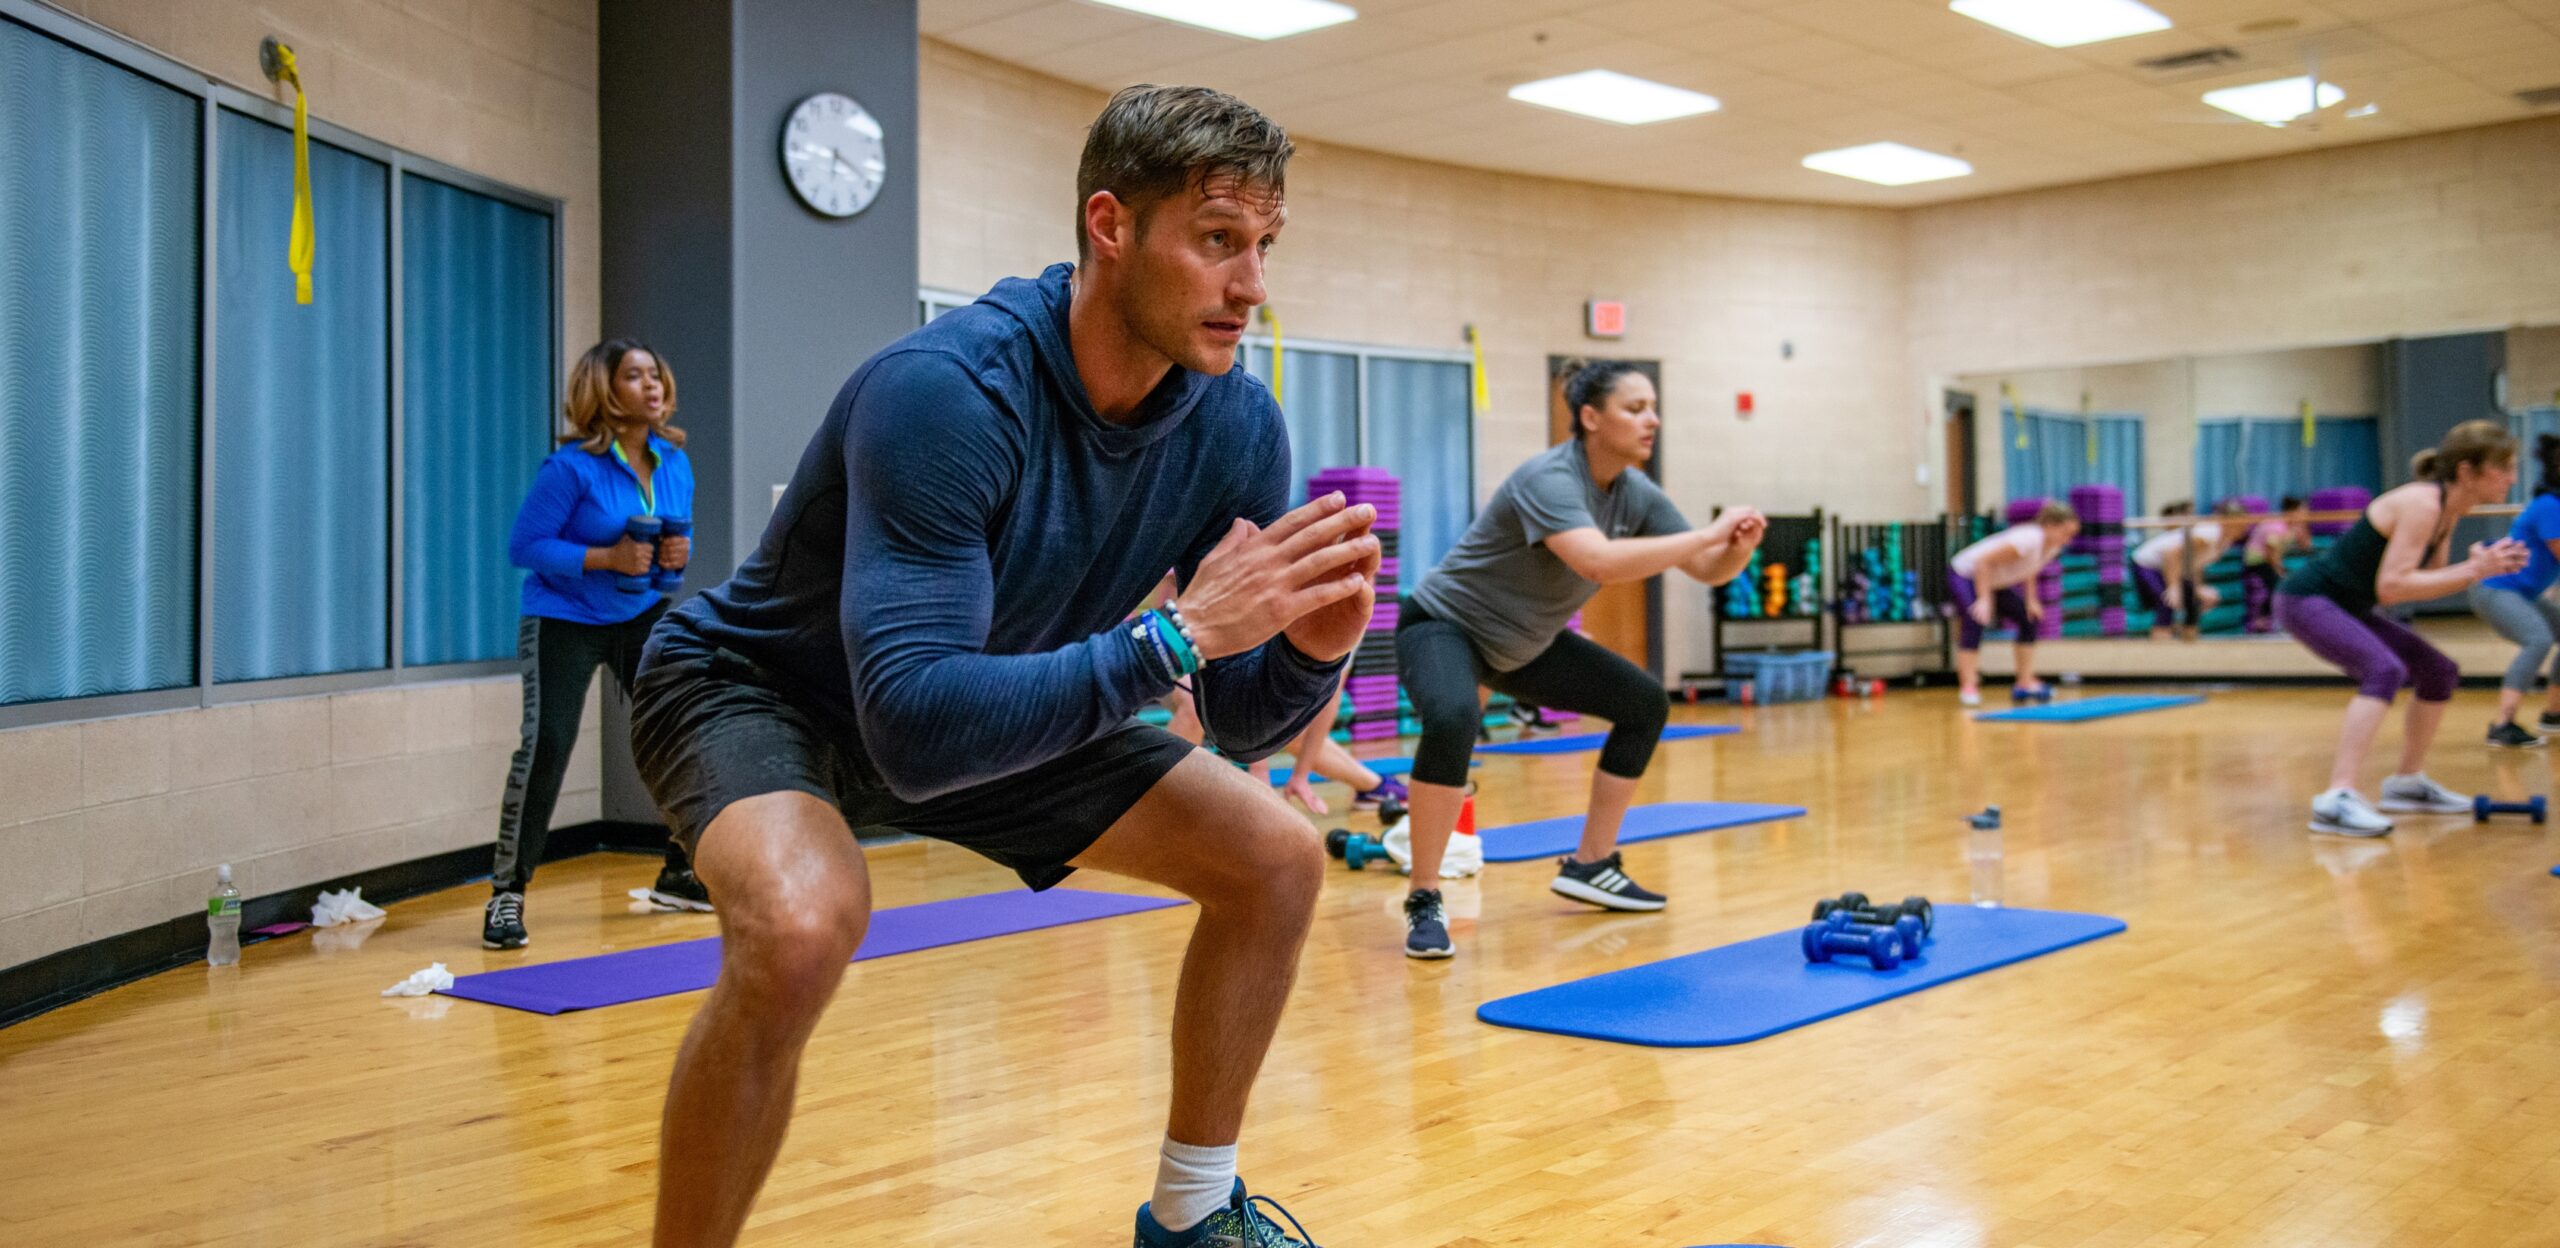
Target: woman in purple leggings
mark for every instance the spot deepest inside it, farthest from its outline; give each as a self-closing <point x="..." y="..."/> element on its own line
<point x="2396" y="553"/>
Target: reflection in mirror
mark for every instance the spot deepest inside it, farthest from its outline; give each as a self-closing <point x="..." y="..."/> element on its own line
<point x="2182" y="469"/>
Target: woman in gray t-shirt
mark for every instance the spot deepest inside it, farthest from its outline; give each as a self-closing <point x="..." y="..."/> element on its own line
<point x="1574" y="518"/>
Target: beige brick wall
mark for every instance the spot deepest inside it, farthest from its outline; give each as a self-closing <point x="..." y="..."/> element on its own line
<point x="503" y="88"/>
<point x="1388" y="251"/>
<point x="115" y="824"/>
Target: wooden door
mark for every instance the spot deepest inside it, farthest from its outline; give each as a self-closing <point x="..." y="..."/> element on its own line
<point x="1627" y="618"/>
<point x="1960" y="452"/>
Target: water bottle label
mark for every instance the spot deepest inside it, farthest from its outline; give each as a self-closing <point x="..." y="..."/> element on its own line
<point x="217" y="907"/>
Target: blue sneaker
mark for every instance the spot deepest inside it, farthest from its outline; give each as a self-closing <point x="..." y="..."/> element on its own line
<point x="1239" y="1225"/>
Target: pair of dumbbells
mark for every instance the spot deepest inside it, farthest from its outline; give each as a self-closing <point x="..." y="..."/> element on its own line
<point x="2483" y="806"/>
<point x="1355" y="850"/>
<point x="1863" y="911"/>
<point x="653" y="530"/>
<point x="1884" y="948"/>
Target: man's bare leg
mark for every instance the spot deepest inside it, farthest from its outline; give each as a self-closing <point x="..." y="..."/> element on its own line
<point x="795" y="899"/>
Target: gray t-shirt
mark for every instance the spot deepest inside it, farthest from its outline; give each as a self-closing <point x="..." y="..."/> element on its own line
<point x="1501" y="585"/>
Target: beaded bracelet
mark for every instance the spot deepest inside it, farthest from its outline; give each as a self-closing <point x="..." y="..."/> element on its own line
<point x="1181" y="625"/>
<point x="1186" y="657"/>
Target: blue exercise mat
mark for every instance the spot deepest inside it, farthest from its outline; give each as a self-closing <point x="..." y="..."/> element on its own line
<point x="1383" y="766"/>
<point x="1743" y="992"/>
<point x="687" y="966"/>
<point x="2084" y="709"/>
<point x="1546" y="838"/>
<point x="1592" y="740"/>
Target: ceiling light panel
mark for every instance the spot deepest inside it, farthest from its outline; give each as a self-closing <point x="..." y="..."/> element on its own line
<point x="1887" y="164"/>
<point x="2064" y="23"/>
<point x="1253" y="19"/>
<point x="1612" y="96"/>
<point x="2275" y="103"/>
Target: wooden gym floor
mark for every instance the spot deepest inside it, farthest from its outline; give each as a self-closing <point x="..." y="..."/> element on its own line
<point x="2301" y="1041"/>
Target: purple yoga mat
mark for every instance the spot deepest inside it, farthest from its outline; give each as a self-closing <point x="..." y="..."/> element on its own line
<point x="691" y="965"/>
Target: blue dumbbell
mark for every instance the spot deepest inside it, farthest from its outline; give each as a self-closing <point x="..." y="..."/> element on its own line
<point x="2532" y="807"/>
<point x="1880" y="946"/>
<point x="642" y="529"/>
<point x="1355" y="850"/>
<point x="664" y="579"/>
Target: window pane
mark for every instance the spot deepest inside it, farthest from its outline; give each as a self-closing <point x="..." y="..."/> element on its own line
<point x="99" y="284"/>
<point x="1320" y="397"/>
<point x="302" y="403"/>
<point x="1421" y="428"/>
<point x="477" y="344"/>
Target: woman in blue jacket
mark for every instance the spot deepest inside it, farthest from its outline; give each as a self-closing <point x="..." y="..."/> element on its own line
<point x="620" y="459"/>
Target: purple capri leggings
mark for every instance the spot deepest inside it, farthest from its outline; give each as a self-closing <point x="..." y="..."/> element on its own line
<point x="2008" y="606"/>
<point x="2381" y="655"/>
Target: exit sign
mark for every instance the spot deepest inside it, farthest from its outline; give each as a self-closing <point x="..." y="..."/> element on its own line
<point x="1605" y="318"/>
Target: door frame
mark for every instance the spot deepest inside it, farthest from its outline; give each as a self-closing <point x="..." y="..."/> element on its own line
<point x="1558" y="429"/>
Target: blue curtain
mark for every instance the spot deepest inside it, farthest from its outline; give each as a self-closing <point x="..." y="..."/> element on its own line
<point x="2264" y="455"/>
<point x="99" y="284"/>
<point x="1422" y="428"/>
<point x="1320" y="397"/>
<point x="302" y="443"/>
<point x="476" y="354"/>
<point x="2059" y="453"/>
<point x="2530" y="423"/>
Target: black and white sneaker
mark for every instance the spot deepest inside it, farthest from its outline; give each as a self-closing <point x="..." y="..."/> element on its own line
<point x="2512" y="735"/>
<point x="1426" y="930"/>
<point x="679" y="889"/>
<point x="1604" y="884"/>
<point x="502" y="923"/>
<point x="2549" y="723"/>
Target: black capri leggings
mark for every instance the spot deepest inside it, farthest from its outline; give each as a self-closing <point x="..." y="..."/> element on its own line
<point x="1440" y="671"/>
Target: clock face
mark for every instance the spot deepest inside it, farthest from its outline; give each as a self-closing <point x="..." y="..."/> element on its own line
<point x="833" y="156"/>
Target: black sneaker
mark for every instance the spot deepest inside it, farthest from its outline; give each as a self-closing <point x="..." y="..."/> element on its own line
<point x="1242" y="1224"/>
<point x="679" y="889"/>
<point x="502" y="924"/>
<point x="1602" y="884"/>
<point x="1426" y="933"/>
<point x="2549" y="723"/>
<point x="2512" y="736"/>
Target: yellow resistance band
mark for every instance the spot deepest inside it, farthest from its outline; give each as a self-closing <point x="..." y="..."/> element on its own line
<point x="1279" y="362"/>
<point x="1483" y="390"/>
<point x="2088" y="430"/>
<point x="2310" y="425"/>
<point x="298" y="251"/>
<point x="2009" y="400"/>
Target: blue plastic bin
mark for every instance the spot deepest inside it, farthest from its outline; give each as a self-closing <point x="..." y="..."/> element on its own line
<point x="1796" y="677"/>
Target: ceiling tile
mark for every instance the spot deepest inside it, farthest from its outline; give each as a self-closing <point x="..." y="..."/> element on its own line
<point x="940" y="18"/>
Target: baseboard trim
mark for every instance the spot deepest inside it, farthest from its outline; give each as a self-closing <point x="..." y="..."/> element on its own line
<point x="58" y="979"/>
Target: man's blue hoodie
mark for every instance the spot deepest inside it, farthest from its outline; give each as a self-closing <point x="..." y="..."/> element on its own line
<point x="945" y="578"/>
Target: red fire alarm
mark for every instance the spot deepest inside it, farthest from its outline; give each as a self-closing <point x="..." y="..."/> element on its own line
<point x="1742" y="404"/>
<point x="1605" y="318"/>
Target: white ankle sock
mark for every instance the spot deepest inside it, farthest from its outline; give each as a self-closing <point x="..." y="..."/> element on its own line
<point x="1192" y="1182"/>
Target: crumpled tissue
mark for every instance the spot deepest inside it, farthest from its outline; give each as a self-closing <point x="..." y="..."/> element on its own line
<point x="433" y="979"/>
<point x="343" y="906"/>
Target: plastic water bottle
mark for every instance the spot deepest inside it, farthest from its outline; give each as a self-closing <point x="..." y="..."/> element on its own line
<point x="222" y="915"/>
<point x="1983" y="847"/>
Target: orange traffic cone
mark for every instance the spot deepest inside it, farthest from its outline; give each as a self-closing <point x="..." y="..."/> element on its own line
<point x="1467" y="817"/>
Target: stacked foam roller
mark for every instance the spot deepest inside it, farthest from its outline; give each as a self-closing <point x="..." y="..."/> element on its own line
<point x="2048" y="581"/>
<point x="1374" y="689"/>
<point x="2338" y="498"/>
<point x="2101" y="512"/>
